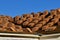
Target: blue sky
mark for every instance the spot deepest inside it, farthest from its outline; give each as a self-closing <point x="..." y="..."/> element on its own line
<point x="19" y="7"/>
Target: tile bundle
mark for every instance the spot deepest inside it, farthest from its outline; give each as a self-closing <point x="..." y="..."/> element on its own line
<point x="40" y="22"/>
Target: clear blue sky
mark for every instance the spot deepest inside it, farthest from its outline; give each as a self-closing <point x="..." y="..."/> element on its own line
<point x="19" y="7"/>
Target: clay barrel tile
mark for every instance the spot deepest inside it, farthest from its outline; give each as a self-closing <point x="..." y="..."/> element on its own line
<point x="43" y="22"/>
<point x="11" y="26"/>
<point x="5" y="24"/>
<point x="50" y="23"/>
<point x="53" y="12"/>
<point x="29" y="30"/>
<point x="13" y="30"/>
<point x="58" y="10"/>
<point x="45" y="12"/>
<point x="16" y="18"/>
<point x="25" y="23"/>
<point x="18" y="28"/>
<point x="19" y="21"/>
<point x="31" y="24"/>
<point x="39" y="18"/>
<point x="26" y="15"/>
<point x="46" y="19"/>
<point x="52" y="28"/>
<point x="23" y="18"/>
<point x="5" y="19"/>
<point x="34" y="18"/>
<point x="51" y="16"/>
<point x="55" y="20"/>
<point x="3" y="29"/>
<point x="35" y="21"/>
<point x="10" y="19"/>
<point x="43" y="16"/>
<point x="29" y="19"/>
<point x="36" y="15"/>
<point x="37" y="27"/>
<point x="45" y="27"/>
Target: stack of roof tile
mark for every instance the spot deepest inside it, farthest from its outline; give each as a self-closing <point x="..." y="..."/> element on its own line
<point x="39" y="22"/>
